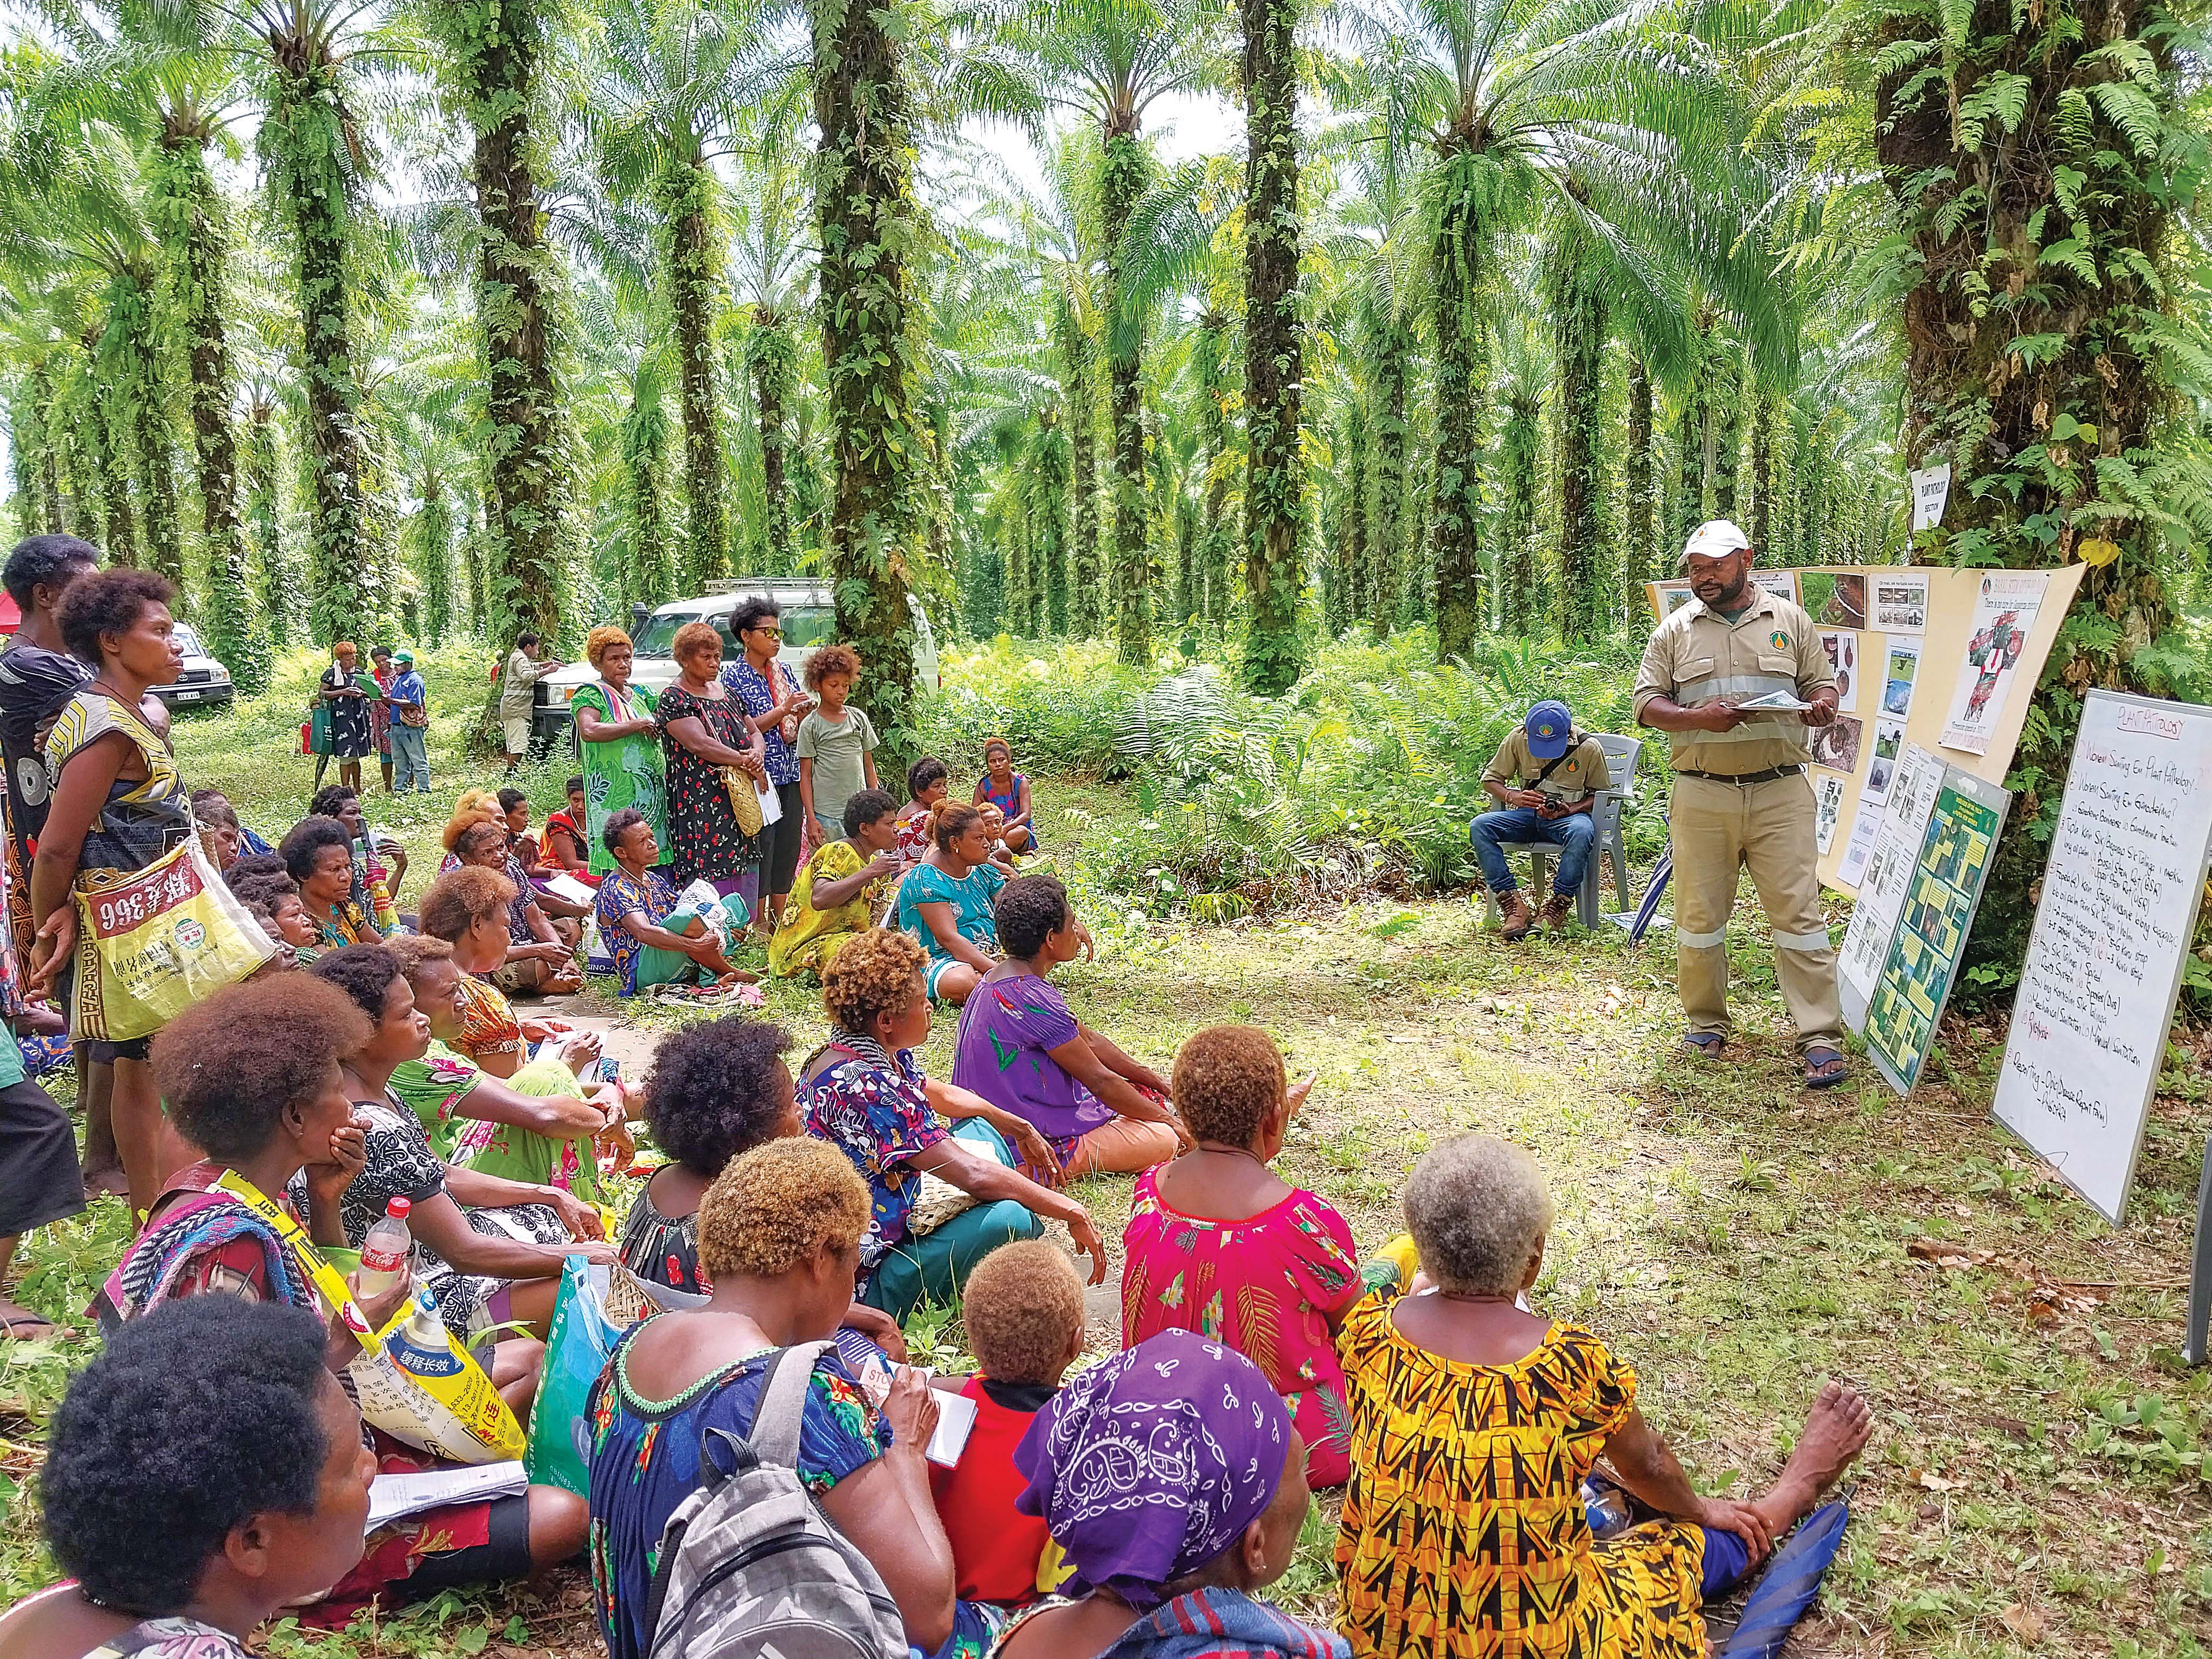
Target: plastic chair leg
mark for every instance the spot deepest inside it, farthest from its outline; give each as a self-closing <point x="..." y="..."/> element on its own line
<point x="1617" y="844"/>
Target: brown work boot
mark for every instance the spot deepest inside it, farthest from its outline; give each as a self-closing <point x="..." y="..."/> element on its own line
<point x="1519" y="919"/>
<point x="1557" y="909"/>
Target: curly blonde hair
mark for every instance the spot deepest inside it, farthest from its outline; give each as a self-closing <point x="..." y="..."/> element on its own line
<point x="1477" y="1207"/>
<point x="771" y="1209"/>
<point x="830" y="659"/>
<point x="876" y="971"/>
<point x="461" y="898"/>
<point x="693" y="638"/>
<point x="597" y="642"/>
<point x="1228" y="1080"/>
<point x="1023" y="1311"/>
<point x="474" y="807"/>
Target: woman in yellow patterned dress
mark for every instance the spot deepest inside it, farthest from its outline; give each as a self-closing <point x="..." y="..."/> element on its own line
<point x="1473" y="1423"/>
<point x="841" y="888"/>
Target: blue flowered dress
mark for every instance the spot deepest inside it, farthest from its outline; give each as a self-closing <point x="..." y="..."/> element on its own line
<point x="620" y="894"/>
<point x="869" y="1105"/>
<point x="645" y="1462"/>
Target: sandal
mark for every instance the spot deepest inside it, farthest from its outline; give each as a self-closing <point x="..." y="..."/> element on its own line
<point x="11" y="1328"/>
<point x="1825" y="1067"/>
<point x="1705" y="1045"/>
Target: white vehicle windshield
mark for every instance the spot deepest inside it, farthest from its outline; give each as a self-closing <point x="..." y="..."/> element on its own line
<point x="189" y="641"/>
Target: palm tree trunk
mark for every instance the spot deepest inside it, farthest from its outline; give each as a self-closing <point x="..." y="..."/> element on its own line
<point x="190" y="211"/>
<point x="434" y="531"/>
<point x="692" y="262"/>
<point x="648" y="575"/>
<point x="1084" y="618"/>
<point x="42" y="402"/>
<point x="1049" y="517"/>
<point x="103" y="423"/>
<point x="1581" y="323"/>
<point x="1724" y="428"/>
<point x="526" y="468"/>
<point x="1391" y="584"/>
<point x="1355" y="586"/>
<point x="1212" y="348"/>
<point x="127" y="351"/>
<point x="1520" y="458"/>
<point x="472" y="563"/>
<point x="74" y="422"/>
<point x="1455" y="263"/>
<point x="1762" y="473"/>
<point x="305" y="138"/>
<point x="1273" y="349"/>
<point x="768" y="355"/>
<point x="864" y="193"/>
<point x="1690" y="470"/>
<point x="1637" y="560"/>
<point x="280" y="592"/>
<point x="1121" y="182"/>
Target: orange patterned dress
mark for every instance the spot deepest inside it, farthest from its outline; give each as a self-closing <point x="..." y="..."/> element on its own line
<point x="1464" y="1535"/>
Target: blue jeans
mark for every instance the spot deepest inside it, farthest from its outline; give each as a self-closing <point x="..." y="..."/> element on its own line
<point x="1571" y="834"/>
<point x="410" y="757"/>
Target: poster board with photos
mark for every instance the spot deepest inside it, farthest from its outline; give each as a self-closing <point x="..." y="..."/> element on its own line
<point x="1931" y="655"/>
<point x="2104" y="962"/>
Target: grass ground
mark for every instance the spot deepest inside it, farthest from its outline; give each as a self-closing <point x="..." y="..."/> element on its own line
<point x="2037" y="1480"/>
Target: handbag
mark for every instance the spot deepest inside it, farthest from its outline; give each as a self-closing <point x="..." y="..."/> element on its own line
<point x="788" y="731"/>
<point x="745" y="800"/>
<point x="152" y="942"/>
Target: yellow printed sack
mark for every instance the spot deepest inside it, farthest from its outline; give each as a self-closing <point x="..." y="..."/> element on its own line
<point x="437" y="1400"/>
<point x="152" y="942"/>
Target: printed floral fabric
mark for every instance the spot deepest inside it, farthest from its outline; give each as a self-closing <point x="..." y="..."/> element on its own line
<point x="754" y="691"/>
<point x="1265" y="1287"/>
<point x="704" y="840"/>
<point x="1464" y="1532"/>
<point x="171" y="1638"/>
<point x="618" y="776"/>
<point x="621" y="893"/>
<point x="974" y="898"/>
<point x="488" y="1023"/>
<point x="807" y="939"/>
<point x="870" y="1106"/>
<point x="431" y="1088"/>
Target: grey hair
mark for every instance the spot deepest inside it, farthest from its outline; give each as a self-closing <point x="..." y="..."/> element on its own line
<point x="1476" y="1206"/>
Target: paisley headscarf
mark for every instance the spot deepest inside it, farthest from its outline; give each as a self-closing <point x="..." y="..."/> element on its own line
<point x="1147" y="1468"/>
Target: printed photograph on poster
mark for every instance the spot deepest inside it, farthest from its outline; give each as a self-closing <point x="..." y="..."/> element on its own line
<point x="1888" y="744"/>
<point x="1845" y="605"/>
<point x="1836" y="745"/>
<point x="1781" y="582"/>
<point x="1673" y="596"/>
<point x="1900" y="603"/>
<point x="1850" y="870"/>
<point x="1843" y="651"/>
<point x="1827" y="810"/>
<point x="1904" y="668"/>
<point x="2004" y="611"/>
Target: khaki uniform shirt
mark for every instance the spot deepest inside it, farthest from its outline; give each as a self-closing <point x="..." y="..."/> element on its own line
<point x="1697" y="654"/>
<point x="1581" y="772"/>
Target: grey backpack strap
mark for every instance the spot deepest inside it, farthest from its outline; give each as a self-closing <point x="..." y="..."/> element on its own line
<point x="774" y="1437"/>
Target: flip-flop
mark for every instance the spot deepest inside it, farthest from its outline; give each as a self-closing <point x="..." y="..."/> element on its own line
<point x="1705" y="1045"/>
<point x="8" y="1327"/>
<point x="1818" y="1058"/>
<point x="1786" y="1588"/>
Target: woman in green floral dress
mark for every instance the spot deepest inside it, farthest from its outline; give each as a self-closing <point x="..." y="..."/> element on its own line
<point x="620" y="743"/>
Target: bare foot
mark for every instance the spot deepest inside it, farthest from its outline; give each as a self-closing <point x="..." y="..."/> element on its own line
<point x="1836" y="1432"/>
<point x="105" y="1181"/>
<point x="19" y="1323"/>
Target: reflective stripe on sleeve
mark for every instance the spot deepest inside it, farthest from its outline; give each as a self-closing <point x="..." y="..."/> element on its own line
<point x="1814" y="941"/>
<point x="1701" y="941"/>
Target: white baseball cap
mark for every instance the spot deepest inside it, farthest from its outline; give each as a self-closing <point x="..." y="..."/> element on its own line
<point x="1712" y="539"/>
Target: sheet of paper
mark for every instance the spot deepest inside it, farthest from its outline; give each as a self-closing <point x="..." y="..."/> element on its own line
<point x="565" y="886"/>
<point x="1900" y="603"/>
<point x="956" y="1420"/>
<point x="1827" y="810"/>
<point x="1776" y="702"/>
<point x="1889" y="871"/>
<point x="2103" y="966"/>
<point x="1901" y="669"/>
<point x="1881" y="770"/>
<point x="1836" y="745"/>
<point x="771" y="803"/>
<point x="2004" y="612"/>
<point x="1850" y="869"/>
<point x="1843" y="653"/>
<point x="396" y="1497"/>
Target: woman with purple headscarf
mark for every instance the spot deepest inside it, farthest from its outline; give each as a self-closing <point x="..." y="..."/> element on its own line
<point x="1173" y="1482"/>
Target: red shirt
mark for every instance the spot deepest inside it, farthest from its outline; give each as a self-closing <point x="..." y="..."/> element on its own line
<point x="994" y="1547"/>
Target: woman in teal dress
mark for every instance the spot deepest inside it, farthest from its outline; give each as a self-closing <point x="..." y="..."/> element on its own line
<point x="947" y="901"/>
<point x="619" y="742"/>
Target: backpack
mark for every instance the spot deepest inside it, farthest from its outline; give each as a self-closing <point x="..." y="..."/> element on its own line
<point x="750" y="1567"/>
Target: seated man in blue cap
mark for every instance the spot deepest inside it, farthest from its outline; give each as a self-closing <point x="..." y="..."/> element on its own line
<point x="1545" y="778"/>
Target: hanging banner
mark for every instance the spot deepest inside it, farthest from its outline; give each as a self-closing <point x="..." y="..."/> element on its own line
<point x="1931" y="493"/>
<point x="2004" y="612"/>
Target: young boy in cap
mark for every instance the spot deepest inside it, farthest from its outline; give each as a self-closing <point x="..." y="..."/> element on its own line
<point x="410" y="721"/>
<point x="1545" y="778"/>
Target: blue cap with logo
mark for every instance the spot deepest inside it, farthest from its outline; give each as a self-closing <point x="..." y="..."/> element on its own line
<point x="1549" y="728"/>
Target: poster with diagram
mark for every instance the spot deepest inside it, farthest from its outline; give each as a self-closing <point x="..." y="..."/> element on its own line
<point x="1842" y="651"/>
<point x="1901" y="601"/>
<point x="2004" y="614"/>
<point x="1943" y="890"/>
<point x="1881" y="770"/>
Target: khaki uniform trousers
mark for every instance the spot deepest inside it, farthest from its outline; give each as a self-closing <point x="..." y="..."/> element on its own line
<point x="1767" y="827"/>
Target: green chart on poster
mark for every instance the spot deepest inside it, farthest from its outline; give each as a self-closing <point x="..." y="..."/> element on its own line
<point x="1939" y="833"/>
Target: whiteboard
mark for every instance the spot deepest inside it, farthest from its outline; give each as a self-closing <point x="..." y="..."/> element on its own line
<point x="2111" y="938"/>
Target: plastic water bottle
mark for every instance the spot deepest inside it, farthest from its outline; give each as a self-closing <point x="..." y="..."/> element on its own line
<point x="384" y="1252"/>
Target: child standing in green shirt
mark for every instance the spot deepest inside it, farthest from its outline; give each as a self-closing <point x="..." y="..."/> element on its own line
<point x="836" y="742"/>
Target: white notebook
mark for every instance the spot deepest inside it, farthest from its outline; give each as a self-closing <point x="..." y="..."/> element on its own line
<point x="395" y="1496"/>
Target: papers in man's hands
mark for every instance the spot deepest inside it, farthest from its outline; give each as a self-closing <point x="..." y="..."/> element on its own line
<point x="1774" y="703"/>
<point x="395" y="1496"/>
